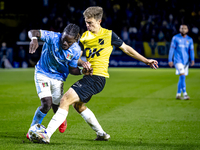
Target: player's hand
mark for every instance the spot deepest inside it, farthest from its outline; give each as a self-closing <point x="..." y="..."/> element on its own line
<point x="33" y="46"/>
<point x="192" y="63"/>
<point x="152" y="63"/>
<point x="86" y="65"/>
<point x="87" y="71"/>
<point x="171" y="64"/>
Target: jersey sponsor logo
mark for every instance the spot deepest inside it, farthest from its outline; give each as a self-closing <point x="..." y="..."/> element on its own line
<point x="182" y="45"/>
<point x="45" y="84"/>
<point x="92" y="52"/>
<point x="101" y="41"/>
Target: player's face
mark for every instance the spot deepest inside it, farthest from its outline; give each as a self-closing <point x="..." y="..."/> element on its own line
<point x="183" y="29"/>
<point x="67" y="41"/>
<point x="92" y="24"/>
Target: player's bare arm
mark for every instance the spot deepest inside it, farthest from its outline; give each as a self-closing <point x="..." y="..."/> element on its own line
<point x="77" y="71"/>
<point x="33" y="35"/>
<point x="131" y="52"/>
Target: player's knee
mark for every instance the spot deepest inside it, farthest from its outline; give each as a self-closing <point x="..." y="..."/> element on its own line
<point x="69" y="98"/>
<point x="46" y="104"/>
<point x="79" y="107"/>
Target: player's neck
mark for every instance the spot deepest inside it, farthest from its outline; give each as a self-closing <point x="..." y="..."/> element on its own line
<point x="97" y="30"/>
<point x="183" y="35"/>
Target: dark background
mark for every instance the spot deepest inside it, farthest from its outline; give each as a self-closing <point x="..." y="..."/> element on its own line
<point x="135" y="21"/>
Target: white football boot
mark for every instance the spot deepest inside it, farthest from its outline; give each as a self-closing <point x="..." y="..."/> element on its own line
<point x="104" y="137"/>
<point x="186" y="97"/>
<point x="39" y="137"/>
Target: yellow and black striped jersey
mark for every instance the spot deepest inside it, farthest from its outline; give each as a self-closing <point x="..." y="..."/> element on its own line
<point x="98" y="48"/>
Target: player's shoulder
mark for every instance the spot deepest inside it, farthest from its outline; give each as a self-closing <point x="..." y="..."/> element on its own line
<point x="73" y="51"/>
<point x="75" y="48"/>
<point x="106" y="30"/>
<point x="88" y="33"/>
<point x="84" y="36"/>
<point x="189" y="38"/>
<point x="176" y="37"/>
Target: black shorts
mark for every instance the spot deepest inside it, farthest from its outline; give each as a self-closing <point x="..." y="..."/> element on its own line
<point x="88" y="86"/>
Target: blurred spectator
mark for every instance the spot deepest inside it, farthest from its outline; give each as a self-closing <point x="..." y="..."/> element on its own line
<point x="152" y="45"/>
<point x="22" y="58"/>
<point x="58" y="24"/>
<point x="125" y="35"/>
<point x="5" y="53"/>
<point x="153" y="35"/>
<point x="23" y="35"/>
<point x="133" y="36"/>
<point x="195" y="32"/>
<point x="45" y="3"/>
<point x="161" y="36"/>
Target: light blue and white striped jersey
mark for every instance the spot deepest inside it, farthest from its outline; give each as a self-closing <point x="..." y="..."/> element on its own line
<point x="54" y="60"/>
<point x="181" y="49"/>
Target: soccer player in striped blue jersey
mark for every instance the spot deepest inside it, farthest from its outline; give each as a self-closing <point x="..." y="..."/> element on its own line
<point x="182" y="48"/>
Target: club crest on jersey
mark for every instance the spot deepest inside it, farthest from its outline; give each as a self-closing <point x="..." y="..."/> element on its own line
<point x="101" y="41"/>
<point x="69" y="57"/>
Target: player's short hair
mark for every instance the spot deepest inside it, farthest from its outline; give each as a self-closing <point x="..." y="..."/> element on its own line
<point x="95" y="12"/>
<point x="72" y="30"/>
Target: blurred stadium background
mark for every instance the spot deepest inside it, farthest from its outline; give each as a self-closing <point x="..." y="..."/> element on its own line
<point x="147" y="26"/>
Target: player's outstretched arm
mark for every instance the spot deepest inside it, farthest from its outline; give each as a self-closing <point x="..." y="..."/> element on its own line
<point x="134" y="54"/>
<point x="33" y="35"/>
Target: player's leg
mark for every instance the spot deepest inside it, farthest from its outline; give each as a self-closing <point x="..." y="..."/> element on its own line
<point x="57" y="93"/>
<point x="42" y="110"/>
<point x="63" y="126"/>
<point x="179" y="88"/>
<point x="179" y="71"/>
<point x="182" y="71"/>
<point x="43" y="89"/>
<point x="185" y="95"/>
<point x="68" y="99"/>
<point x="86" y="88"/>
<point x="81" y="91"/>
<point x="91" y="120"/>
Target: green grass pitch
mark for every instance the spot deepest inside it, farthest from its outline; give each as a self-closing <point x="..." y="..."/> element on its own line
<point x="137" y="108"/>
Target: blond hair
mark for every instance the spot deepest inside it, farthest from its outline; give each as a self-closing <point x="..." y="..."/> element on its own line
<point x="95" y="12"/>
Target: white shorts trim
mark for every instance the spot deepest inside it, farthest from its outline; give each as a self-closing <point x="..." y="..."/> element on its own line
<point x="180" y="69"/>
<point x="46" y="87"/>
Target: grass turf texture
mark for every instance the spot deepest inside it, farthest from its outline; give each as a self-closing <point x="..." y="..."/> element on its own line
<point x="137" y="108"/>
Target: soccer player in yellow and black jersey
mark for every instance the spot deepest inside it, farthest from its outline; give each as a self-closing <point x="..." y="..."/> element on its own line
<point x="98" y="43"/>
